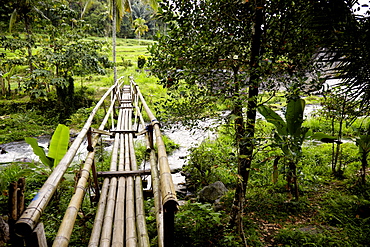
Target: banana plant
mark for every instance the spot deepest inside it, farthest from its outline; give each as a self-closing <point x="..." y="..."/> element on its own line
<point x="363" y="143"/>
<point x="57" y="148"/>
<point x="289" y="136"/>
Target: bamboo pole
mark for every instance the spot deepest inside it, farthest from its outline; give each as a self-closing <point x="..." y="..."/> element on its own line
<point x="169" y="200"/>
<point x="157" y="196"/>
<point x="65" y="230"/>
<point x="29" y="219"/>
<point x="143" y="236"/>
<point x="119" y="220"/>
<point x="106" y="234"/>
<point x="119" y="217"/>
<point x="154" y="173"/>
<point x="99" y="217"/>
<point x="167" y="187"/>
<point x="130" y="220"/>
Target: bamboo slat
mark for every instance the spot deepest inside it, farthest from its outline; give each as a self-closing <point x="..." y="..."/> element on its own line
<point x="119" y="218"/>
<point x="130" y="220"/>
<point x="105" y="239"/>
<point x="157" y="197"/>
<point x="106" y="235"/>
<point x="99" y="217"/>
<point x="143" y="236"/>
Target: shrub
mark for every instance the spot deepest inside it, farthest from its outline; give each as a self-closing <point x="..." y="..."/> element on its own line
<point x="212" y="161"/>
<point x="314" y="237"/>
<point x="141" y="60"/>
<point x="198" y="224"/>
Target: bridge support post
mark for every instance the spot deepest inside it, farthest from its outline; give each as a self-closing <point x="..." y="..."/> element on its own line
<point x="37" y="238"/>
<point x="169" y="210"/>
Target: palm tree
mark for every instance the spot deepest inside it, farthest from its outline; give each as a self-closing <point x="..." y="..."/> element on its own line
<point x="22" y="11"/>
<point x="140" y="27"/>
<point x="117" y="9"/>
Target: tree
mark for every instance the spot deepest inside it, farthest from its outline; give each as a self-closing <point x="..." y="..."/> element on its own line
<point x="117" y="8"/>
<point x="339" y="111"/>
<point x="22" y="10"/>
<point x="223" y="52"/>
<point x="140" y="27"/>
<point x="363" y="143"/>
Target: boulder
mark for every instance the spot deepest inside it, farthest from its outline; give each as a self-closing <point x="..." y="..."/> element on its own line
<point x="4" y="232"/>
<point x="212" y="192"/>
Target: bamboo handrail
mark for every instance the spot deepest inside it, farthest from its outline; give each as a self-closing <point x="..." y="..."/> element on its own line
<point x="65" y="230"/>
<point x="167" y="187"/>
<point x="30" y="217"/>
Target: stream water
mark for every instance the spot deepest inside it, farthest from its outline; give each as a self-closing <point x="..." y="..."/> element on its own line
<point x="185" y="137"/>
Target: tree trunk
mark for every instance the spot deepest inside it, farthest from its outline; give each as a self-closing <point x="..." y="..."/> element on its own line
<point x="2" y="85"/>
<point x="114" y="35"/>
<point x="27" y="24"/>
<point x="364" y="165"/>
<point x="293" y="181"/>
<point x="275" y="173"/>
<point x="245" y="133"/>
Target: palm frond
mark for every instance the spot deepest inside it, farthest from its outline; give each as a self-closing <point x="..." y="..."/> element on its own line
<point x="87" y="6"/>
<point x="13" y="19"/>
<point x="152" y="3"/>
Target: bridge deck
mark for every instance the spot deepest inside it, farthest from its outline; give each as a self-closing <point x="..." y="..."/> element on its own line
<point x="120" y="216"/>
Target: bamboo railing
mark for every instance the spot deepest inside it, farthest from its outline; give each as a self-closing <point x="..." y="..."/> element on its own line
<point x="168" y="199"/>
<point x="120" y="217"/>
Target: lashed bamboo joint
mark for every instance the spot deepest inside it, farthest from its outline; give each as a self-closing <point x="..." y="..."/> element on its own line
<point x="120" y="217"/>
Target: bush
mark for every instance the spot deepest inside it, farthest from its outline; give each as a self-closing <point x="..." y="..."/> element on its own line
<point x="141" y="60"/>
<point x="198" y="224"/>
<point x="212" y="161"/>
<point x="313" y="237"/>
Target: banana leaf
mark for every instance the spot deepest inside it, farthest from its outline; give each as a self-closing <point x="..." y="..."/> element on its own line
<point x="272" y="117"/>
<point x="294" y="116"/>
<point x="59" y="143"/>
<point x="39" y="151"/>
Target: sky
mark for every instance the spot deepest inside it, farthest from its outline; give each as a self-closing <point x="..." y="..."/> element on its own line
<point x="363" y="8"/>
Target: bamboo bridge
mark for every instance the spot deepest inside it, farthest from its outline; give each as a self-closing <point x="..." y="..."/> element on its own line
<point x="120" y="217"/>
